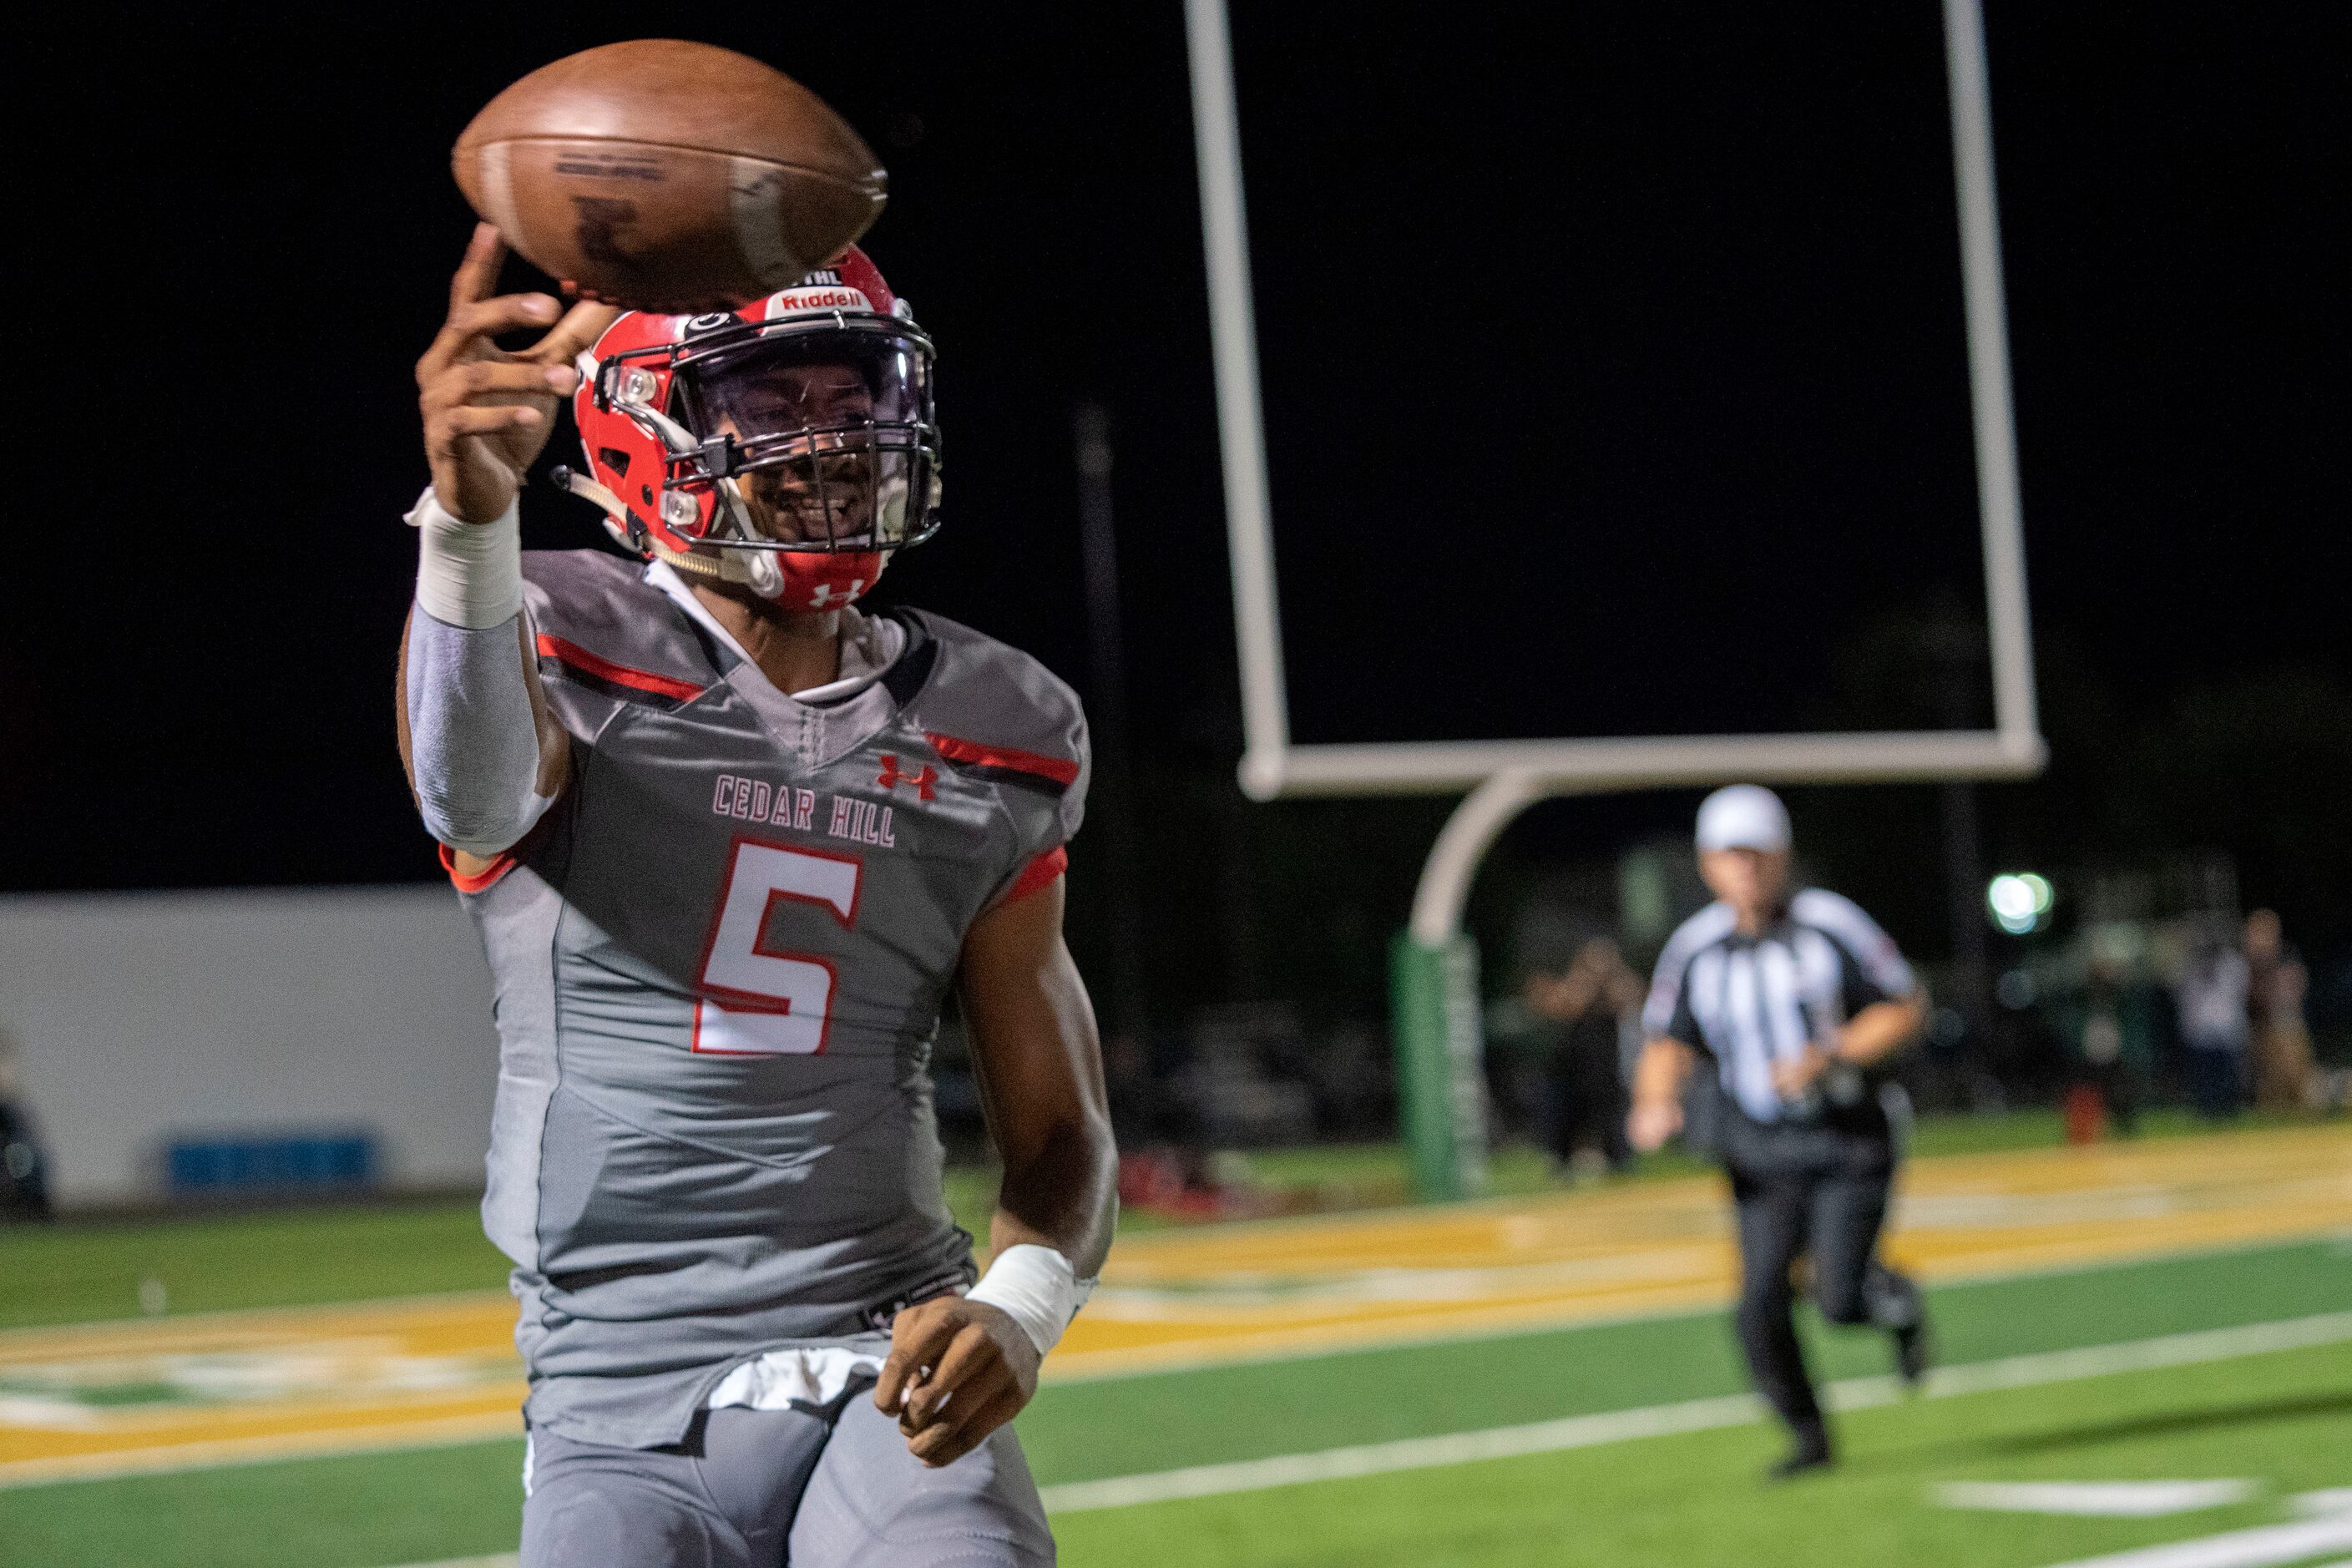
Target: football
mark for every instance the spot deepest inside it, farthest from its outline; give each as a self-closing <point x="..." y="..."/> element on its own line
<point x="669" y="176"/>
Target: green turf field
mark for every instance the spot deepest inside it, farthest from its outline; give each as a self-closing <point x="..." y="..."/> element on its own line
<point x="2281" y="1420"/>
<point x="2284" y="1421"/>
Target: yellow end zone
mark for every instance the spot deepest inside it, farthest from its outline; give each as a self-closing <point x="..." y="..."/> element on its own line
<point x="231" y="1387"/>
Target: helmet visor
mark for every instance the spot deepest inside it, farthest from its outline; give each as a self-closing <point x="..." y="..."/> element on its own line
<point x="830" y="435"/>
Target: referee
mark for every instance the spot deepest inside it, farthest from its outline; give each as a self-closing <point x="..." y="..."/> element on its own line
<point x="1796" y="998"/>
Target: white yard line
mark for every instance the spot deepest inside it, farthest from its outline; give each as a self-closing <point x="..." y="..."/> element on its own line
<point x="2267" y="1546"/>
<point x="1694" y="1415"/>
<point x="2093" y="1499"/>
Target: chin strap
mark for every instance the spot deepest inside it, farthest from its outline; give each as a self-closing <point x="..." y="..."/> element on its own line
<point x="757" y="572"/>
<point x="760" y="572"/>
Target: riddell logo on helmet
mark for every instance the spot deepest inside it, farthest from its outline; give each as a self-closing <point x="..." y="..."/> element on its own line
<point x="823" y="297"/>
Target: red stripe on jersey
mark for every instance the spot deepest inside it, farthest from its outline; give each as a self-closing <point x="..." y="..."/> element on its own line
<point x="1059" y="770"/>
<point x="1038" y="875"/>
<point x="480" y="880"/>
<point x="582" y="659"/>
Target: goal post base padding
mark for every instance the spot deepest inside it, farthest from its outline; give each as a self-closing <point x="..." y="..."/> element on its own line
<point x="1440" y="1078"/>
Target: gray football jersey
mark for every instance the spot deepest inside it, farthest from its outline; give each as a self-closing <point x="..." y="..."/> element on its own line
<point x="719" y="961"/>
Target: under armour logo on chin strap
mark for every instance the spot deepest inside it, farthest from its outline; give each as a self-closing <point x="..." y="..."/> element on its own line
<point x="825" y="596"/>
<point x="891" y="778"/>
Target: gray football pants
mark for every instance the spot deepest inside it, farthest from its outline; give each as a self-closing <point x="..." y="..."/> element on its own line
<point x="759" y="1488"/>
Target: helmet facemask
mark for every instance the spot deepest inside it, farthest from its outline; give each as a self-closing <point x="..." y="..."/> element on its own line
<point x="807" y="442"/>
<point x="791" y="447"/>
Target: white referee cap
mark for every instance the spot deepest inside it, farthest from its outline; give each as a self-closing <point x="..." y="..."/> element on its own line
<point x="1743" y="817"/>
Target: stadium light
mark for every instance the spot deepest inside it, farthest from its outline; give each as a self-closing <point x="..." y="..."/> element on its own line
<point x="2020" y="901"/>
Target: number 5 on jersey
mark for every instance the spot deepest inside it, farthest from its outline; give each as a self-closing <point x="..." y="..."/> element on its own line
<point x="763" y="1001"/>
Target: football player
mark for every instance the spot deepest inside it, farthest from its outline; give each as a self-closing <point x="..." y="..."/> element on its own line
<point x="728" y="841"/>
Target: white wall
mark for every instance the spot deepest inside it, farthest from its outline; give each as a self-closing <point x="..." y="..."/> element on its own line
<point x="145" y="1016"/>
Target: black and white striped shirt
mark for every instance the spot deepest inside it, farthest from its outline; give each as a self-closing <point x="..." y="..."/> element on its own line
<point x="1750" y="1001"/>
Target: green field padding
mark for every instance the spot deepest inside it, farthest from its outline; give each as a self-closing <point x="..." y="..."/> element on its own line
<point x="1441" y="1086"/>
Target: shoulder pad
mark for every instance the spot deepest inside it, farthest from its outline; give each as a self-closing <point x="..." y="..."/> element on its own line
<point x="598" y="622"/>
<point x="989" y="707"/>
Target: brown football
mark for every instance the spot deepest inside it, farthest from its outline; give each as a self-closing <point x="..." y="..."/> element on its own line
<point x="669" y="176"/>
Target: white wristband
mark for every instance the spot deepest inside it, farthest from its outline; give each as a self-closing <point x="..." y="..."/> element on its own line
<point x="1037" y="1287"/>
<point x="468" y="575"/>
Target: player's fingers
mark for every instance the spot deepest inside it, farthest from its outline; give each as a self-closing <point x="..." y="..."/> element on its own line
<point x="916" y="1338"/>
<point x="465" y="334"/>
<point x="971" y="1352"/>
<point x="479" y="379"/>
<point x="954" y="1406"/>
<point x="944" y="1445"/>
<point x="493" y="379"/>
<point x="582" y="325"/>
<point x="487" y="318"/>
<point x="478" y="274"/>
<point x="474" y="419"/>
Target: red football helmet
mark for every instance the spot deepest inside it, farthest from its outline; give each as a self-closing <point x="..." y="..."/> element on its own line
<point x="790" y="445"/>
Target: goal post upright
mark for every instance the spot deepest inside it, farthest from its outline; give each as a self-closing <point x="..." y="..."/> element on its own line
<point x="1240" y="421"/>
<point x="1433" y="965"/>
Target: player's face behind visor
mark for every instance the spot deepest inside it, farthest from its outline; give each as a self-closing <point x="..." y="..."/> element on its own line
<point x="830" y="435"/>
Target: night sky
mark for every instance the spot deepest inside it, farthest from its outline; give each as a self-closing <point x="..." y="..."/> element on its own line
<point x="1545" y="295"/>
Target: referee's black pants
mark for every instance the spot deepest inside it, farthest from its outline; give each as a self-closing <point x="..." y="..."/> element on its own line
<point x="1818" y="1191"/>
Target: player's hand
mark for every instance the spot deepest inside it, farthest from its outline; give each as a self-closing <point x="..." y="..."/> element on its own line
<point x="1651" y="1123"/>
<point x="1791" y="1076"/>
<point x="957" y="1371"/>
<point x="487" y="412"/>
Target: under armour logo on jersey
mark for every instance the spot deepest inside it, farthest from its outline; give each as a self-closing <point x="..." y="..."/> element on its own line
<point x="891" y="778"/>
<point x="825" y="595"/>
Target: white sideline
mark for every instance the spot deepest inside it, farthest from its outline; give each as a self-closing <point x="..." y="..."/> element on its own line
<point x="1691" y="1416"/>
<point x="2094" y="1500"/>
<point x="2265" y="1546"/>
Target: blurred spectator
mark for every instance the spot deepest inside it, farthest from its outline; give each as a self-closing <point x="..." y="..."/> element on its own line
<point x="1519" y="1042"/>
<point x="2108" y="1029"/>
<point x="2284" y="1075"/>
<point x="2214" y="1025"/>
<point x="24" y="1169"/>
<point x="1589" y="1008"/>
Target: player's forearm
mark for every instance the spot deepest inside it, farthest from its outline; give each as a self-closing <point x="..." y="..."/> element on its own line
<point x="474" y="729"/>
<point x="1880" y="1029"/>
<point x="1065" y="1195"/>
<point x="1039" y="1063"/>
<point x="1660" y="1072"/>
<point x="472" y="732"/>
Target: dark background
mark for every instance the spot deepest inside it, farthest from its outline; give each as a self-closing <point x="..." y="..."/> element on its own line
<point x="233" y="235"/>
<point x="1674" y="400"/>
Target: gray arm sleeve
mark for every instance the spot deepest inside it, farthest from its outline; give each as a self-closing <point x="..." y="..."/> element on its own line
<point x="471" y="735"/>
